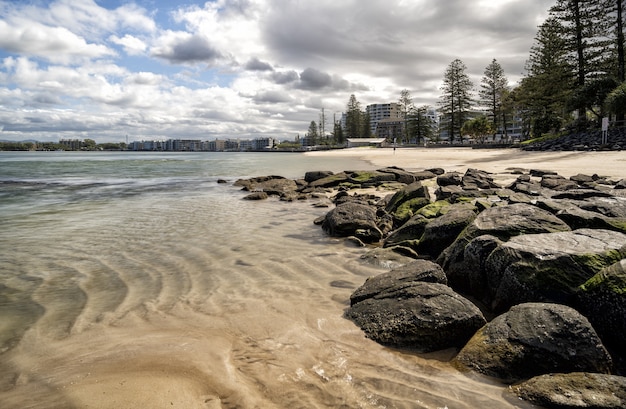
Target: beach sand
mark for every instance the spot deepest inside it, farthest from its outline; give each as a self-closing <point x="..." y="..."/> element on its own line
<point x="497" y="161"/>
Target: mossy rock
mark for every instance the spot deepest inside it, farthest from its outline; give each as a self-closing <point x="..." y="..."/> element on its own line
<point x="434" y="209"/>
<point x="549" y="267"/>
<point x="603" y="301"/>
<point x="412" y="191"/>
<point x="408" y="208"/>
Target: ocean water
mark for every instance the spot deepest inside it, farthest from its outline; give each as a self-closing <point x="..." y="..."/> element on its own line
<point x="135" y="280"/>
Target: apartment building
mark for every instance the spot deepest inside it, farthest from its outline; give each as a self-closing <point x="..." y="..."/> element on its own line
<point x="380" y="112"/>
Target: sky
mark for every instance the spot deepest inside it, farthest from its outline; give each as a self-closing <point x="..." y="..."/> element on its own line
<point x="117" y="70"/>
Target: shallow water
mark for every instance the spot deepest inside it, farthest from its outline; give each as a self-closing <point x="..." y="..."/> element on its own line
<point x="136" y="280"/>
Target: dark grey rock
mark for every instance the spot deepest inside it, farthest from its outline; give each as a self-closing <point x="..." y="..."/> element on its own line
<point x="398" y="278"/>
<point x="602" y="299"/>
<point x="411" y="230"/>
<point x="423" y="316"/>
<point x="256" y="196"/>
<point x="348" y="218"/>
<point x="534" y="339"/>
<point x="577" y="390"/>
<point x="549" y="267"/>
<point x="442" y="231"/>
<point x="316" y="175"/>
<point x="502" y="222"/>
<point x="449" y="179"/>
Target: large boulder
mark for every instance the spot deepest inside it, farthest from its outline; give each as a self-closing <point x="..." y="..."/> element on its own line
<point x="418" y="315"/>
<point x="576" y="390"/>
<point x="602" y="299"/>
<point x="407" y="275"/>
<point x="353" y="219"/>
<point x="312" y="176"/>
<point x="442" y="231"/>
<point x="502" y="222"/>
<point x="549" y="267"/>
<point x="535" y="339"/>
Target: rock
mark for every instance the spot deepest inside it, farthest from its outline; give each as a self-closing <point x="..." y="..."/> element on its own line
<point x="222" y="181"/>
<point x="390" y="258"/>
<point x="405" y="177"/>
<point x="541" y="173"/>
<point x="442" y="231"/>
<point x="256" y="196"/>
<point x="348" y="218"/>
<point x="478" y="178"/>
<point x="581" y="194"/>
<point x="448" y="191"/>
<point x="577" y="218"/>
<point x="407" y="275"/>
<point x="577" y="390"/>
<point x="583" y="179"/>
<point x="272" y="185"/>
<point x="331" y="180"/>
<point x="620" y="184"/>
<point x="317" y="175"/>
<point x="424" y="175"/>
<point x="370" y="178"/>
<point x="502" y="222"/>
<point x="475" y="255"/>
<point x="413" y="197"/>
<point x="421" y="316"/>
<point x="602" y="299"/>
<point x="556" y="182"/>
<point x="608" y="206"/>
<point x="535" y="339"/>
<point x="548" y="267"/>
<point x="414" y="190"/>
<point x="449" y="179"/>
<point x="436" y="171"/>
<point x="411" y="230"/>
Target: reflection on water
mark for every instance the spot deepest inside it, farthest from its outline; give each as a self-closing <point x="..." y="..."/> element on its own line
<point x="174" y="292"/>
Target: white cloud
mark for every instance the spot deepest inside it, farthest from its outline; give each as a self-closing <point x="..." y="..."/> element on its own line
<point x="233" y="68"/>
<point x="132" y="45"/>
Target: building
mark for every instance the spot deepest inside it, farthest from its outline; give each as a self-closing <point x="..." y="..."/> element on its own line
<point x="369" y="142"/>
<point x="380" y="112"/>
<point x="390" y="129"/>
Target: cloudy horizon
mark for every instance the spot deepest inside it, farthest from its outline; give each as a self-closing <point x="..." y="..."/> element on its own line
<point x="153" y="69"/>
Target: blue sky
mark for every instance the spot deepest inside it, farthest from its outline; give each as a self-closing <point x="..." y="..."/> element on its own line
<point x="154" y="69"/>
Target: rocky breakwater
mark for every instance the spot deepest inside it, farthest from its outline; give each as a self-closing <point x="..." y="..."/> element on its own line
<point x="526" y="280"/>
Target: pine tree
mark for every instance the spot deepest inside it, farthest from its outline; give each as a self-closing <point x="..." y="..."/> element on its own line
<point x="583" y="25"/>
<point x="406" y="105"/>
<point x="354" y="120"/>
<point x="312" y="134"/>
<point x="456" y="100"/>
<point x="544" y="93"/>
<point x="420" y="125"/>
<point x="492" y="92"/>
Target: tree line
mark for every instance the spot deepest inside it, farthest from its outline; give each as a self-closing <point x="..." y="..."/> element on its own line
<point x="574" y="76"/>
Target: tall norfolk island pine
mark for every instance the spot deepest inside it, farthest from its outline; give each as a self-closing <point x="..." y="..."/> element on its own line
<point x="493" y="88"/>
<point x="456" y="101"/>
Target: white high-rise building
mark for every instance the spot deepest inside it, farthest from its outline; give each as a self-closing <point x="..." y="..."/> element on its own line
<point x="378" y="112"/>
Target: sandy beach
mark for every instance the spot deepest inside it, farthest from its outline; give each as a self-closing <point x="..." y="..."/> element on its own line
<point x="497" y="161"/>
